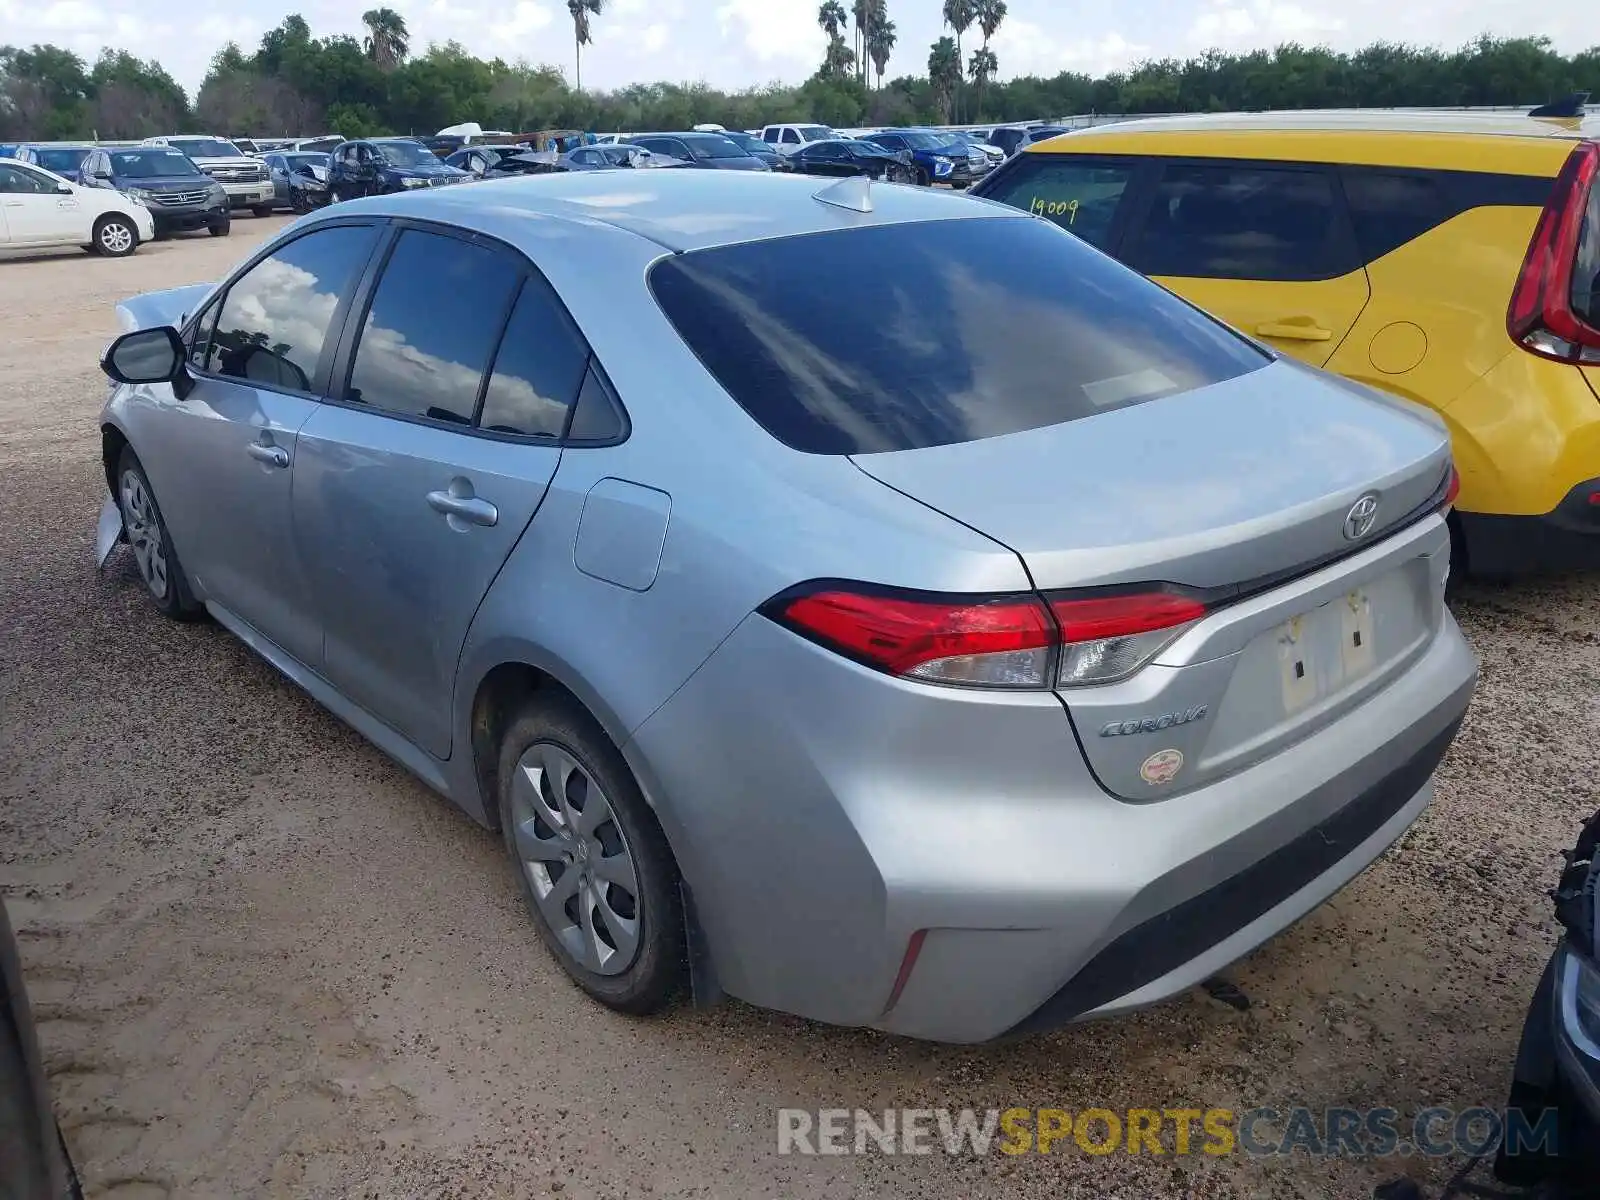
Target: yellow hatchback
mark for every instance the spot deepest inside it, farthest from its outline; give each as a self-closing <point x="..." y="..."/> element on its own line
<point x="1452" y="259"/>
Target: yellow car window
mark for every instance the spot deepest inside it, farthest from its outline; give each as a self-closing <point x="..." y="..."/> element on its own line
<point x="1078" y="196"/>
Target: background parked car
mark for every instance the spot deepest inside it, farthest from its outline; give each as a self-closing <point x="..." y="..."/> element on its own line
<point x="55" y="157"/>
<point x="753" y="146"/>
<point x="34" y="1164"/>
<point x="299" y="179"/>
<point x="38" y="208"/>
<point x="708" y="151"/>
<point x="786" y="139"/>
<point x="601" y="157"/>
<point x="846" y="156"/>
<point x="378" y="166"/>
<point x="179" y="195"/>
<point x="937" y="156"/>
<point x="1396" y="249"/>
<point x="485" y="162"/>
<point x="242" y="177"/>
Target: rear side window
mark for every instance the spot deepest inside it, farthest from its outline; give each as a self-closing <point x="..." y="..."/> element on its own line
<point x="432" y="326"/>
<point x="538" y="370"/>
<point x="1228" y="222"/>
<point x="1389" y="210"/>
<point x="275" y="319"/>
<point x="895" y="337"/>
<point x="1079" y="195"/>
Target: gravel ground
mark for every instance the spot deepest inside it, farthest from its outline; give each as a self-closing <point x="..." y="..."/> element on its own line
<point x="267" y="962"/>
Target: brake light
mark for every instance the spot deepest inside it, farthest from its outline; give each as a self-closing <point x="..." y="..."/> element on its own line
<point x="1554" y="304"/>
<point x="1451" y="490"/>
<point x="996" y="642"/>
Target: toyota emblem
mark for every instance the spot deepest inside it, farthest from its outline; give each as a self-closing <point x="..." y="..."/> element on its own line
<point x="1363" y="515"/>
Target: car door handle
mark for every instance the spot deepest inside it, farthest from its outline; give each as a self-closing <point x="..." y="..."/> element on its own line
<point x="273" y="456"/>
<point x="468" y="508"/>
<point x="1301" y="329"/>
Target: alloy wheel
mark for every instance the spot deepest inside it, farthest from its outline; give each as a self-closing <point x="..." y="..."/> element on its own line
<point x="143" y="527"/>
<point x="576" y="858"/>
<point x="116" y="237"/>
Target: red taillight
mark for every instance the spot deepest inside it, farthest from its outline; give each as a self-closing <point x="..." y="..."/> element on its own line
<point x="1452" y="489"/>
<point x="1007" y="641"/>
<point x="1544" y="317"/>
<point x="932" y="638"/>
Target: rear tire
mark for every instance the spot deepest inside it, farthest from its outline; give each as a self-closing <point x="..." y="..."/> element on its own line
<point x="115" y="236"/>
<point x="146" y="532"/>
<point x="592" y="862"/>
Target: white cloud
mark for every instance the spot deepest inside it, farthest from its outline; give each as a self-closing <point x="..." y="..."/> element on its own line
<point x="1260" y="23"/>
<point x="775" y="30"/>
<point x="1024" y="48"/>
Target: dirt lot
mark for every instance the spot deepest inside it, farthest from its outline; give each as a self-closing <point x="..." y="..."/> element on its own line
<point x="267" y="962"/>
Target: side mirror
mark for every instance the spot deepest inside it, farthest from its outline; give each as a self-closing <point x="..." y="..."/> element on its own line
<point x="145" y="356"/>
<point x="63" y="189"/>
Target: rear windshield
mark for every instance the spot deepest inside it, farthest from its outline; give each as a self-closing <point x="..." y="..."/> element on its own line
<point x="897" y="337"/>
<point x="61" y="161"/>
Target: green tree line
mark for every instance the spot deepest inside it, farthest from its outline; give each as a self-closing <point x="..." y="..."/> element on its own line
<point x="294" y="82"/>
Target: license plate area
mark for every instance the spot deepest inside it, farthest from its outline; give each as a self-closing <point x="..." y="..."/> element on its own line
<point x="1321" y="651"/>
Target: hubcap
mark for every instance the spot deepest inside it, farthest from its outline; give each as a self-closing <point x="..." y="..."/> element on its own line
<point x="143" y="528"/>
<point x="576" y="859"/>
<point x="116" y="237"/>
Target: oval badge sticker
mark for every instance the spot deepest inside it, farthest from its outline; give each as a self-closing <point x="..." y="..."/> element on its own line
<point x="1161" y="767"/>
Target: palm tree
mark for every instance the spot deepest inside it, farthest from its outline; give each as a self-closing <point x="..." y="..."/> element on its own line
<point x="832" y="17"/>
<point x="881" y="43"/>
<point x="958" y="15"/>
<point x="581" y="11"/>
<point x="862" y="11"/>
<point x="388" y="39"/>
<point x="982" y="69"/>
<point x="944" y="73"/>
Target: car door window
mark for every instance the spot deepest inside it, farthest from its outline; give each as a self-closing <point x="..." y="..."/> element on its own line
<point x="1081" y="196"/>
<point x="200" y="337"/>
<point x="1388" y="210"/>
<point x="791" y="138"/>
<point x="19" y="181"/>
<point x="432" y="326"/>
<point x="538" y="370"/>
<point x="1242" y="222"/>
<point x="275" y="320"/>
<point x="769" y="135"/>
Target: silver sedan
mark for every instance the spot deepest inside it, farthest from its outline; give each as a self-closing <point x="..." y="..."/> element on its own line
<point x="868" y="602"/>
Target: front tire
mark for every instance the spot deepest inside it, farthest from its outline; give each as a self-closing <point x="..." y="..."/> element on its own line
<point x="146" y="532"/>
<point x="115" y="236"/>
<point x="220" y="228"/>
<point x="262" y="210"/>
<point x="593" y="864"/>
<point x="923" y="179"/>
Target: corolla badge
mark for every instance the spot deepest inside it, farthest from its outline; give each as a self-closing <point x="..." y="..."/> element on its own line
<point x="1152" y="724"/>
<point x="1363" y="515"/>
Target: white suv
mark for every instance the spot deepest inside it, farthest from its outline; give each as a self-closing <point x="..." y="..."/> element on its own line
<point x="245" y="179"/>
<point x="786" y="139"/>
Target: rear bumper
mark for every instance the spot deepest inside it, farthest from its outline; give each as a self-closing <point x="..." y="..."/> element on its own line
<point x="823" y="814"/>
<point x="1565" y="539"/>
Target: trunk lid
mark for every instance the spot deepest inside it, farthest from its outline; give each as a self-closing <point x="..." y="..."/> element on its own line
<point x="1241" y="492"/>
<point x="1226" y="484"/>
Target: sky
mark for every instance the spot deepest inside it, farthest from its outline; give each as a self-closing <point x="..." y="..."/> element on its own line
<point x="742" y="43"/>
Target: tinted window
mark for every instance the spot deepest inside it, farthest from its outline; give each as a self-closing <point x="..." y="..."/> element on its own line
<point x="432" y="326"/>
<point x="20" y="182"/>
<point x="276" y="317"/>
<point x="900" y="336"/>
<point x="1390" y="210"/>
<point x="538" y="370"/>
<point x="1078" y="195"/>
<point x="1228" y="222"/>
<point x="200" y="342"/>
<point x="790" y="137"/>
<point x="597" y="417"/>
<point x="1585" y="295"/>
<point x="61" y="161"/>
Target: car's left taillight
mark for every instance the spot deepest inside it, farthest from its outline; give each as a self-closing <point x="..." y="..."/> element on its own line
<point x="1017" y="641"/>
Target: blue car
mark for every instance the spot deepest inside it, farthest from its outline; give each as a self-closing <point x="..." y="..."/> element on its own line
<point x="58" y="157"/>
<point x="937" y="157"/>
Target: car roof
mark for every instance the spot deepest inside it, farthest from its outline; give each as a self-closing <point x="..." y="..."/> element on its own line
<point x="678" y="210"/>
<point x="1515" y="142"/>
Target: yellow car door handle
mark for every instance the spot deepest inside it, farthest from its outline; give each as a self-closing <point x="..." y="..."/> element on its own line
<point x="1300" y="330"/>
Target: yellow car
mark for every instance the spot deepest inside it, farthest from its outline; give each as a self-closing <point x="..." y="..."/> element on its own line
<point x="1453" y="259"/>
